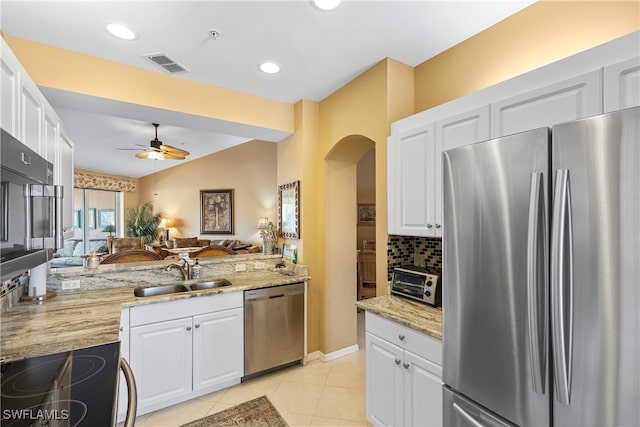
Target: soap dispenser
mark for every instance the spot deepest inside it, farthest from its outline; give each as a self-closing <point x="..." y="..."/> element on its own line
<point x="196" y="272"/>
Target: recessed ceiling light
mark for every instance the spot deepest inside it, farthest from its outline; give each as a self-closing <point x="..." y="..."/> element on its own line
<point x="326" y="4"/>
<point x="121" y="31"/>
<point x="269" y="68"/>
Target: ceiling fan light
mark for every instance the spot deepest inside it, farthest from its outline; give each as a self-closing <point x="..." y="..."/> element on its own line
<point x="326" y="4"/>
<point x="154" y="155"/>
<point x="121" y="31"/>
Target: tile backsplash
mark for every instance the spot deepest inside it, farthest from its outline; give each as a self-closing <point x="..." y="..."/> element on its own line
<point x="409" y="250"/>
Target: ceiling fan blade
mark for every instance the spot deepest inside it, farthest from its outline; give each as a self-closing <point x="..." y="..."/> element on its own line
<point x="128" y="149"/>
<point x="173" y="156"/>
<point x="174" y="150"/>
<point x="168" y="156"/>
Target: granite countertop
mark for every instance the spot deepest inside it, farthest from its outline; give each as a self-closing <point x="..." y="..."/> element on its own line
<point x="421" y="317"/>
<point x="89" y="317"/>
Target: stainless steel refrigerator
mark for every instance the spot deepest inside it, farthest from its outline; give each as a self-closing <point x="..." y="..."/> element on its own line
<point x="541" y="302"/>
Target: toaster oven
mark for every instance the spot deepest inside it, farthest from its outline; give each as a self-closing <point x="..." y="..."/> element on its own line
<point x="417" y="283"/>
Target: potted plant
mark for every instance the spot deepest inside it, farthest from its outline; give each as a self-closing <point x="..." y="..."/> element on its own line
<point x="143" y="222"/>
<point x="109" y="229"/>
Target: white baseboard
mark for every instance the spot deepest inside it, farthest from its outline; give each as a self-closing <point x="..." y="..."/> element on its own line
<point x="318" y="355"/>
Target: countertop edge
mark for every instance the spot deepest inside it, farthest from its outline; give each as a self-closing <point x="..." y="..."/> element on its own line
<point x="420" y="317"/>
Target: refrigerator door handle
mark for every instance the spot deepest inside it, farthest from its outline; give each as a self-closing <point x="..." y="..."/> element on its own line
<point x="537" y="283"/>
<point x="562" y="285"/>
<point x="466" y="416"/>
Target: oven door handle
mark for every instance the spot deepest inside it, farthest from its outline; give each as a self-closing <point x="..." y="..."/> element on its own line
<point x="132" y="394"/>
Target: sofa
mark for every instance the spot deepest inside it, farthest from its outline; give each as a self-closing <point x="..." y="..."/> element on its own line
<point x="235" y="246"/>
<point x="70" y="255"/>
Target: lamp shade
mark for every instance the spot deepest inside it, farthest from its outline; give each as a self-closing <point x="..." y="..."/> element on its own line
<point x="164" y="224"/>
<point x="263" y="224"/>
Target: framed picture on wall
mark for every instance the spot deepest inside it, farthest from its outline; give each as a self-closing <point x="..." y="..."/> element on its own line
<point x="366" y="214"/>
<point x="91" y="218"/>
<point x="216" y="211"/>
<point x="106" y="217"/>
<point x="288" y="210"/>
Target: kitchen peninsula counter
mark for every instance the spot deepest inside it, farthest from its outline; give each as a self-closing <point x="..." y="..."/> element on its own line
<point x="91" y="316"/>
<point x="421" y="317"/>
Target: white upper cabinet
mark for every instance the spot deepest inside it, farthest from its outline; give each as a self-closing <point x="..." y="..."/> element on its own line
<point x="50" y="134"/>
<point x="622" y="85"/>
<point x="411" y="192"/>
<point x="9" y="90"/>
<point x="31" y="115"/>
<point x="63" y="175"/>
<point x="28" y="116"/>
<point x="464" y="129"/>
<point x="564" y="101"/>
<point x="586" y="84"/>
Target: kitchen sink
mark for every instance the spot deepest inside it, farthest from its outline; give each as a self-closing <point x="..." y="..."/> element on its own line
<point x="150" y="291"/>
<point x="210" y="284"/>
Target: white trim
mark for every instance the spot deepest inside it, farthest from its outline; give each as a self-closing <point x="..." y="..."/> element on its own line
<point x="318" y="355"/>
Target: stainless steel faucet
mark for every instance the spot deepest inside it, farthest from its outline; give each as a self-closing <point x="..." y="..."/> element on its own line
<point x="182" y="265"/>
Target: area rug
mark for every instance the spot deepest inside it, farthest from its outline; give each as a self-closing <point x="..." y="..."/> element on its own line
<point x="257" y="412"/>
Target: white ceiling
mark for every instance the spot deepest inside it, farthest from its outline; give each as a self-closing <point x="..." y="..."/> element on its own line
<point x="318" y="51"/>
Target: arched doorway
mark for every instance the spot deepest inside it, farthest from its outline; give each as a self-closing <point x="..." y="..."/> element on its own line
<point x="340" y="255"/>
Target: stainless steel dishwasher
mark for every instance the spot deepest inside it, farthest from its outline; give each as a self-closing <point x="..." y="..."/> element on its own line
<point x="273" y="327"/>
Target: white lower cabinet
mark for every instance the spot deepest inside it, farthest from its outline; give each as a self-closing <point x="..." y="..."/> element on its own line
<point x="211" y="366"/>
<point x="404" y="375"/>
<point x="162" y="361"/>
<point x="183" y="349"/>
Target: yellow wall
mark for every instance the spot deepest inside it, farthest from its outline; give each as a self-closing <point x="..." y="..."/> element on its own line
<point x="249" y="169"/>
<point x="538" y="35"/>
<point x="75" y="72"/>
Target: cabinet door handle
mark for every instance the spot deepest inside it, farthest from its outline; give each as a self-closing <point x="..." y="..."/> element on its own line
<point x="197" y="325"/>
<point x="406" y="365"/>
<point x="401" y="337"/>
<point x="429" y="225"/>
<point x="397" y="361"/>
<point x="188" y="328"/>
<point x="438" y="225"/>
<point x="121" y="329"/>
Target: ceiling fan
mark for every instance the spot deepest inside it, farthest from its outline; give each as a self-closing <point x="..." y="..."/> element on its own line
<point x="159" y="151"/>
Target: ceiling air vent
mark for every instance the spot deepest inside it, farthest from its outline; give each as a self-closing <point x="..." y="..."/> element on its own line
<point x="166" y="63"/>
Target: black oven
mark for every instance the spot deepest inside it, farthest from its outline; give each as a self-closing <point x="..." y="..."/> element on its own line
<point x="73" y="388"/>
<point x="30" y="208"/>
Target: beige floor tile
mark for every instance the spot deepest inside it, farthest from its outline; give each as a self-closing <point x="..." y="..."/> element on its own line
<point x="342" y="403"/>
<point x="297" y="420"/>
<point x="335" y="422"/>
<point x="354" y="378"/>
<point x="313" y="373"/>
<point x="177" y="415"/>
<point x="213" y="397"/>
<point x="249" y="390"/>
<point x="298" y="398"/>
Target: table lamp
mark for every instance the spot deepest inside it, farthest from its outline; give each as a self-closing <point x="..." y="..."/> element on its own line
<point x="164" y="226"/>
<point x="267" y="234"/>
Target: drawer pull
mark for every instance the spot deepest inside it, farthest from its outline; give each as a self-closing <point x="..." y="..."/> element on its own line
<point x="397" y="361"/>
<point x="406" y="365"/>
<point x="401" y="337"/>
<point x="188" y="328"/>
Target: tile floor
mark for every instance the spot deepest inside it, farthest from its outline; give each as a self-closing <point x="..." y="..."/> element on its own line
<point x="318" y="394"/>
